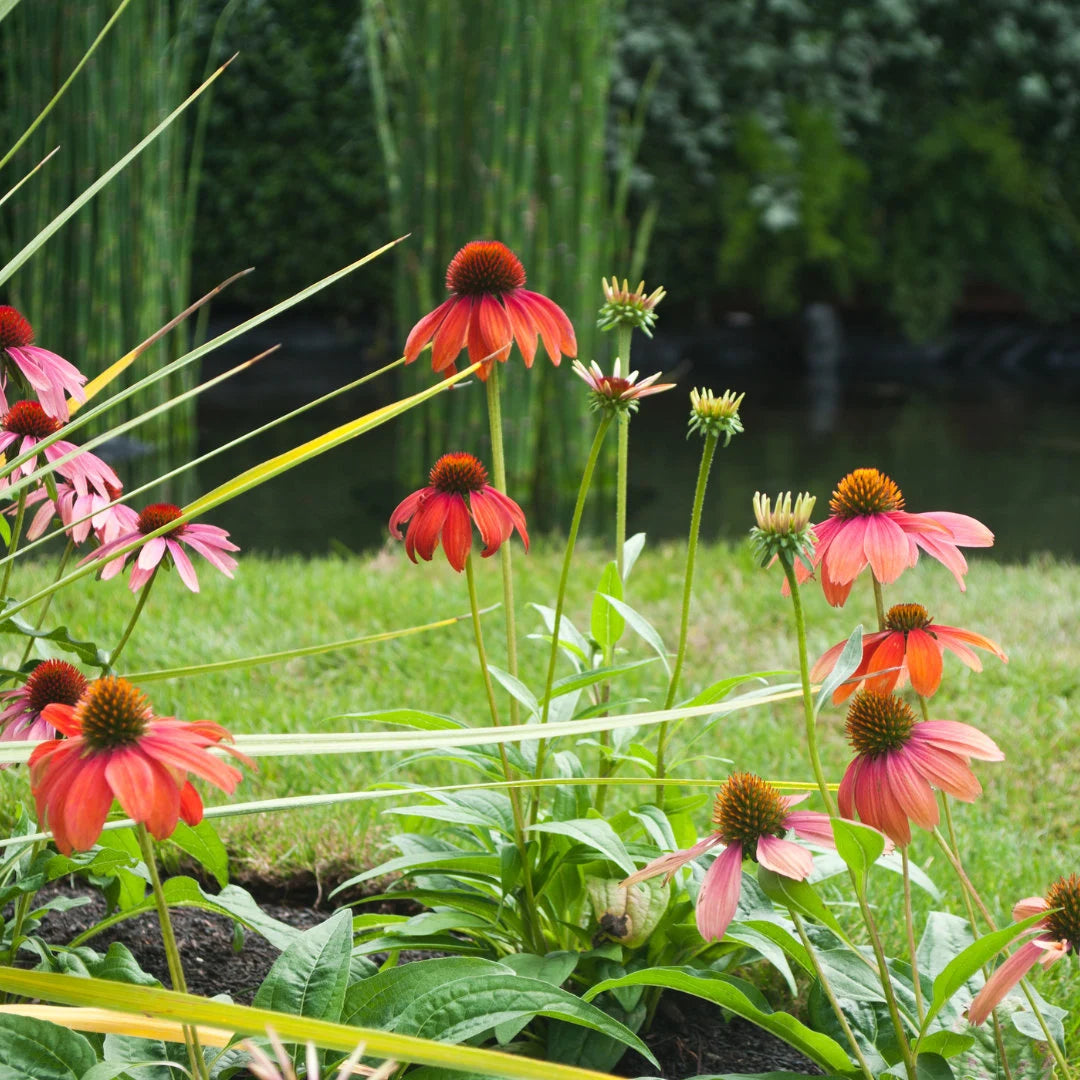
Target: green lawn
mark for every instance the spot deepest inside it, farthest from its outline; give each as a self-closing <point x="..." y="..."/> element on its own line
<point x="1019" y="837"/>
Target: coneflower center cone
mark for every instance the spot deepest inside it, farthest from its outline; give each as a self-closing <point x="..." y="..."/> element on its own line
<point x="865" y="491"/>
<point x="112" y="713"/>
<point x="484" y="268"/>
<point x="15" y="331"/>
<point x="1064" y="925"/>
<point x="905" y="617"/>
<point x="458" y="474"/>
<point x="877" y="723"/>
<point x="54" y="682"/>
<point x="156" y="515"/>
<point x="747" y="809"/>
<point x="29" y="418"/>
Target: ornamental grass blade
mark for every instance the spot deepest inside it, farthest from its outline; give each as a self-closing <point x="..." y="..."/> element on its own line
<point x="244" y="1020"/>
<point x="106" y="1022"/>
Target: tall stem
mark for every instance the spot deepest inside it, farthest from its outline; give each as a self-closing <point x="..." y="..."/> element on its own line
<point x="909" y="922"/>
<point x="564" y="577"/>
<point x="498" y="472"/>
<point x="172" y="952"/>
<point x="623" y="336"/>
<point x="707" y="453"/>
<point x="139" y="604"/>
<point x="879" y="601"/>
<point x="48" y="601"/>
<point x="530" y="913"/>
<point x="16" y="531"/>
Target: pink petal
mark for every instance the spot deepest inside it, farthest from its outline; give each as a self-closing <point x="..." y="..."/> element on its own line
<point x="672" y="861"/>
<point x="945" y="770"/>
<point x="947" y="554"/>
<point x="966" y="531"/>
<point x="812" y="825"/>
<point x="960" y="738"/>
<point x="886" y="548"/>
<point x="846" y="555"/>
<point x="784" y="857"/>
<point x="450" y="339"/>
<point x="1030" y="905"/>
<point x="1002" y="981"/>
<point x="425" y="329"/>
<point x="183" y="566"/>
<point x="151" y="553"/>
<point x="719" y="895"/>
<point x="911" y="790"/>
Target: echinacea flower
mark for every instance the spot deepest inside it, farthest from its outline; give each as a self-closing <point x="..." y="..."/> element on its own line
<point x="628" y="307"/>
<point x="117" y="747"/>
<point x="1058" y="934"/>
<point x="617" y="393"/>
<point x="457" y="491"/>
<point x="210" y="541"/>
<point x="26" y="423"/>
<point x="751" y="818"/>
<point x="899" y="761"/>
<point x="912" y="646"/>
<point x="869" y="527"/>
<point x="264" y="1068"/>
<point x="783" y="531"/>
<point x="716" y="416"/>
<point x="79" y="514"/>
<point x="488" y="310"/>
<point x="52" y="682"/>
<point x="48" y="374"/>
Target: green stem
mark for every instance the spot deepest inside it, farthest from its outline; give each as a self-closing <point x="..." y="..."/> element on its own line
<point x="498" y="472"/>
<point x="172" y="952"/>
<point x="16" y="530"/>
<point x="564" y="577"/>
<point x="707" y="453"/>
<point x="909" y="922"/>
<point x="48" y="601"/>
<point x="879" y="601"/>
<point x="621" y="477"/>
<point x="530" y="911"/>
<point x="830" y="994"/>
<point x="22" y="906"/>
<point x="140" y="603"/>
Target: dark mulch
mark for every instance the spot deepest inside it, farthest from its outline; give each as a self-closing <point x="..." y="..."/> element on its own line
<point x="689" y="1037"/>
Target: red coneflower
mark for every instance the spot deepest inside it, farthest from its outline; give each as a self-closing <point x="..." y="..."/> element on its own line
<point x="457" y="490"/>
<point x="899" y="761"/>
<point x="1058" y="935"/>
<point x="869" y="526"/>
<point x="488" y="310"/>
<point x="751" y="818"/>
<point x="49" y="375"/>
<point x="52" y="682"/>
<point x="911" y="646"/>
<point x="117" y="747"/>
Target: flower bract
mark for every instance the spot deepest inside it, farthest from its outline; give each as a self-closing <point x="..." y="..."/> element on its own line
<point x="488" y="310"/>
<point x="457" y="495"/>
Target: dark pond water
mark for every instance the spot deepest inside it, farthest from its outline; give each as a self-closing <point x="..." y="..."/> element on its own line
<point x="985" y="422"/>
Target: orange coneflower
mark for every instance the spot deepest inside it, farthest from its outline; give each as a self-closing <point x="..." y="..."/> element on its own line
<point x="487" y="311"/>
<point x="912" y="646"/>
<point x="457" y="490"/>
<point x="118" y="748"/>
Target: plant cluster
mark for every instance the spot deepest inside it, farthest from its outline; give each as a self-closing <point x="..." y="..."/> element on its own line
<point x="556" y="913"/>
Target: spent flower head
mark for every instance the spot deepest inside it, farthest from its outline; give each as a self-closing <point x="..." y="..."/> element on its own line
<point x="783" y="531"/>
<point x="716" y="416"/>
<point x="265" y="1068"/>
<point x="628" y="307"/>
<point x="616" y="393"/>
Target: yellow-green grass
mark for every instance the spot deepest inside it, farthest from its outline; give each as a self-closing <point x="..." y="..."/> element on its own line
<point x="1017" y="838"/>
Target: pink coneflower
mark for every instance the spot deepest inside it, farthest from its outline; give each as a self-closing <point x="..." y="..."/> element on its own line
<point x="49" y="375"/>
<point x="616" y="392"/>
<point x="911" y="646"/>
<point x="899" y="761"/>
<point x="211" y="542"/>
<point x="869" y="526"/>
<point x="457" y="490"/>
<point x="117" y="747"/>
<point x="488" y="310"/>
<point x="1058" y="934"/>
<point x="81" y="513"/>
<point x="52" y="682"/>
<point x="751" y="818"/>
<point x="26" y="423"/>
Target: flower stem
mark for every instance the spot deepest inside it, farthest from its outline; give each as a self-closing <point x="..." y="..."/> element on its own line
<point x="22" y="906"/>
<point x="498" y="472"/>
<point x="707" y="453"/>
<point x="140" y="603"/>
<point x="621" y="477"/>
<point x="829" y="993"/>
<point x="807" y="697"/>
<point x="564" y="577"/>
<point x="879" y="601"/>
<point x="172" y="952"/>
<point x="48" y="601"/>
<point x="16" y="530"/>
<point x="909" y="922"/>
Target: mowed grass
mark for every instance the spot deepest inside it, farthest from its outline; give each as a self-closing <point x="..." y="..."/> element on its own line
<point x="1016" y="839"/>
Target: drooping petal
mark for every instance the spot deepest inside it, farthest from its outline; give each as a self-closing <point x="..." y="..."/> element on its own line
<point x="835" y="594"/>
<point x="911" y="790"/>
<point x="846" y="555"/>
<point x="493" y="522"/>
<point x="876" y="803"/>
<point x="924" y="663"/>
<point x="425" y="329"/>
<point x="845" y="795"/>
<point x="85" y="804"/>
<point x="719" y="895"/>
<point x="564" y="328"/>
<point x="405" y="510"/>
<point x="490" y="336"/>
<point x="63" y="718"/>
<point x="960" y="738"/>
<point x="1002" y="981"/>
<point x="132" y="780"/>
<point x="151" y="553"/>
<point x="672" y="861"/>
<point x="784" y="857"/>
<point x="183" y="565"/>
<point x="191" y="805"/>
<point x="513" y="511"/>
<point x="426" y="525"/>
<point x="523" y="324"/>
<point x="450" y="339"/>
<point x="953" y="637"/>
<point x="886" y="548"/>
<point x="946" y="553"/>
<point x="812" y="825"/>
<point x="888" y="659"/>
<point x="966" y="531"/>
<point x="1030" y="905"/>
<point x="945" y="770"/>
<point x="457" y="532"/>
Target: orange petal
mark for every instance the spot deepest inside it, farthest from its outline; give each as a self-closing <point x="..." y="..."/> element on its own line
<point x="423" y="331"/>
<point x="924" y="662"/>
<point x="450" y="339"/>
<point x="457" y="532"/>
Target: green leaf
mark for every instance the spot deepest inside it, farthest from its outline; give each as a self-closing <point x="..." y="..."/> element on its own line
<point x="799" y="896"/>
<point x="32" y="1049"/>
<point x="961" y="968"/>
<point x="516" y="688"/>
<point x="607" y="625"/>
<point x="631" y="550"/>
<point x="711" y="986"/>
<point x="554" y="969"/>
<point x="846" y="665"/>
<point x="126" y="1052"/>
<point x="204" y="845"/>
<point x="947" y="1044"/>
<point x="720" y="689"/>
<point x="310" y="977"/>
<point x="117" y="964"/>
<point x="569" y="683"/>
<point x="858" y="845"/>
<point x="944" y="936"/>
<point x="642" y="627"/>
<point x="60" y="636"/>
<point x="594" y="833"/>
<point x="458" y="863"/>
